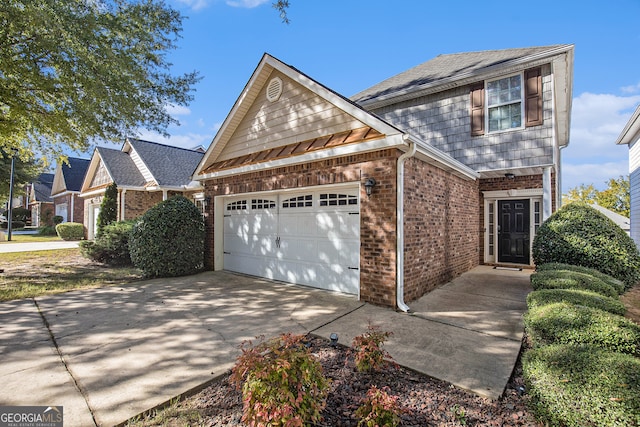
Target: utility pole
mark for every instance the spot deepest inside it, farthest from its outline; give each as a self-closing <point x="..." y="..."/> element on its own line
<point x="10" y="212"/>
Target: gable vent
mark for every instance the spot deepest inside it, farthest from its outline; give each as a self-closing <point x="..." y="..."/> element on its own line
<point x="274" y="89"/>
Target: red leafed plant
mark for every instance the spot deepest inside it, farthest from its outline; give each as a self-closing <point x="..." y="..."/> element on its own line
<point x="379" y="409"/>
<point x="367" y="348"/>
<point x="282" y="384"/>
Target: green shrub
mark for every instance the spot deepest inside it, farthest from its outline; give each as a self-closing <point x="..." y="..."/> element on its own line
<point x="379" y="409"/>
<point x="564" y="279"/>
<point x="47" y="230"/>
<point x="282" y="384"/>
<point x="580" y="235"/>
<point x="563" y="323"/>
<point x="577" y="297"/>
<point x="168" y="240"/>
<point x="111" y="246"/>
<point x="14" y="224"/>
<point x="367" y="349"/>
<point x="612" y="281"/>
<point x="57" y="219"/>
<point x="108" y="208"/>
<point x="70" y="231"/>
<point x="20" y="214"/>
<point x="577" y="386"/>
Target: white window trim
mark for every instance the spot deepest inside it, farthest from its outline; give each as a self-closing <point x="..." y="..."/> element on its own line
<point x="486" y="105"/>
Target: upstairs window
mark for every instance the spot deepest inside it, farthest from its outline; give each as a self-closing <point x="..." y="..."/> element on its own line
<point x="504" y="103"/>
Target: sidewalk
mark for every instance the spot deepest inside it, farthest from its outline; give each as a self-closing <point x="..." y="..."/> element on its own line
<point x="7" y="247"/>
<point x="108" y="354"/>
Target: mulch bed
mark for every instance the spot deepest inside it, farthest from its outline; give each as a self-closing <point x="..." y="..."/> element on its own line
<point x="426" y="401"/>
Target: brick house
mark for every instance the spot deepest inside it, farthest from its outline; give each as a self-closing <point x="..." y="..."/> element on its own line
<point x="145" y="173"/>
<point x="40" y="201"/>
<point x="398" y="189"/>
<point x="65" y="192"/>
<point x="630" y="136"/>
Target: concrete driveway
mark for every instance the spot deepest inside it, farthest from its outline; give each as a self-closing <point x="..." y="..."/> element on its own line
<point x="108" y="354"/>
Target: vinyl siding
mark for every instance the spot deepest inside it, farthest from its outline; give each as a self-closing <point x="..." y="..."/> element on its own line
<point x="298" y="115"/>
<point x="634" y="182"/>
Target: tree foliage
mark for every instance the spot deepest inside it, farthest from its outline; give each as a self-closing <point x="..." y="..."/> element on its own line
<point x="282" y="6"/>
<point x="26" y="170"/>
<point x="109" y="208"/>
<point x="616" y="197"/>
<point x="76" y="71"/>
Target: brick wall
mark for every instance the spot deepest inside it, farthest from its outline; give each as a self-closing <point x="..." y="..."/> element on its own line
<point x="138" y="202"/>
<point x="441" y="241"/>
<point x="377" y="224"/>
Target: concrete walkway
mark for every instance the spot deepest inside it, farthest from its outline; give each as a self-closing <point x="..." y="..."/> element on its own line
<point x="108" y="354"/>
<point x="6" y="247"/>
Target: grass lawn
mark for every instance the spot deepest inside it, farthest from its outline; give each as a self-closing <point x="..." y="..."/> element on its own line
<point x="27" y="238"/>
<point x="33" y="274"/>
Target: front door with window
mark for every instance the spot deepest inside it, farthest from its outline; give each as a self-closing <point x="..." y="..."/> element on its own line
<point x="513" y="231"/>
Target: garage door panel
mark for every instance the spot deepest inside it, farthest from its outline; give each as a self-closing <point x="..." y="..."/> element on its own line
<point x="307" y="240"/>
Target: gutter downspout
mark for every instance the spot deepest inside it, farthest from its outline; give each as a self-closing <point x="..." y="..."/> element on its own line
<point x="123" y="204"/>
<point x="400" y="225"/>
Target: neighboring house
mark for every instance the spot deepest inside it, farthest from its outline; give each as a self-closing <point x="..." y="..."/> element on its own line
<point x="630" y="136"/>
<point x="145" y="173"/>
<point x="65" y="192"/>
<point x="400" y="188"/>
<point x="40" y="201"/>
<point x="620" y="220"/>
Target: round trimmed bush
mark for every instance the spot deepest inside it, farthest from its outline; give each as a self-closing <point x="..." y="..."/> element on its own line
<point x="563" y="323"/>
<point x="580" y="235"/>
<point x="168" y="240"/>
<point x="70" y="231"/>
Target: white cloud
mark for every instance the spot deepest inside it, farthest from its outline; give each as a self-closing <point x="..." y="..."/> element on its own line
<point x="631" y="89"/>
<point x="195" y="4"/>
<point x="249" y="4"/>
<point x="177" y="110"/>
<point x="592" y="173"/>
<point x="188" y="140"/>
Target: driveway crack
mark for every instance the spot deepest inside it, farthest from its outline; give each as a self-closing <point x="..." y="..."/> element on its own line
<point x="64" y="362"/>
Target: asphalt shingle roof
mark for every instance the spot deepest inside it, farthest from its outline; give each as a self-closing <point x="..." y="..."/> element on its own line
<point x="74" y="172"/>
<point x="170" y="166"/>
<point x="121" y="167"/>
<point x="443" y="67"/>
<point x="42" y="187"/>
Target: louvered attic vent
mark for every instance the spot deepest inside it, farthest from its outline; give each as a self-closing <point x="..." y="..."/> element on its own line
<point x="274" y="89"/>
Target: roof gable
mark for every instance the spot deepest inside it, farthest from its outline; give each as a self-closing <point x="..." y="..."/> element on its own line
<point x="69" y="175"/>
<point x="631" y="132"/>
<point x="41" y="188"/>
<point x="304" y="111"/>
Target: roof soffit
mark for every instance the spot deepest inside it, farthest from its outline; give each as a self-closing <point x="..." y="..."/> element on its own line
<point x="631" y="132"/>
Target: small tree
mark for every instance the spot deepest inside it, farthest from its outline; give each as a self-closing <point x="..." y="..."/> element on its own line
<point x="109" y="208"/>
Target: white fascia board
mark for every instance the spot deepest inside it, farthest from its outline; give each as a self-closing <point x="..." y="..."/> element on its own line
<point x="64" y="193"/>
<point x="362" y="147"/>
<point x="463" y="79"/>
<point x="445" y="160"/>
<point x="631" y="131"/>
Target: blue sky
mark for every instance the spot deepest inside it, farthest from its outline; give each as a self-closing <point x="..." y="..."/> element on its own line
<point x="351" y="45"/>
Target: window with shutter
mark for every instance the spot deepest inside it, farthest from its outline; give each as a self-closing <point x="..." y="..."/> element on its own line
<point x="533" y="97"/>
<point x="477" y="109"/>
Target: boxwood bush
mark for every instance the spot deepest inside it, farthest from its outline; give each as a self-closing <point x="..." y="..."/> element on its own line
<point x="615" y="283"/>
<point x="168" y="240"/>
<point x="575" y="296"/>
<point x="111" y="246"/>
<point x="70" y="231"/>
<point x="577" y="386"/>
<point x="563" y="323"/>
<point x="580" y="235"/>
<point x="564" y="279"/>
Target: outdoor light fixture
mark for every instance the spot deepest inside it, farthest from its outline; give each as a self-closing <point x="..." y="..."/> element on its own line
<point x="334" y="339"/>
<point x="509" y="175"/>
<point x="368" y="185"/>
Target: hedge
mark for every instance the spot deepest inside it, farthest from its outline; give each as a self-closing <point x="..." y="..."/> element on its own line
<point x="563" y="323"/>
<point x="580" y="235"/>
<point x="564" y="279"/>
<point x="575" y="296"/>
<point x="70" y="231"/>
<point x="615" y="283"/>
<point x="577" y="386"/>
<point x="111" y="246"/>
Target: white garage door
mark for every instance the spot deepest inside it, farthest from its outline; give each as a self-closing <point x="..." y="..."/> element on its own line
<point x="309" y="238"/>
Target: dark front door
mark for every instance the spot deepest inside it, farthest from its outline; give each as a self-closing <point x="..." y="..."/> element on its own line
<point x="513" y="231"/>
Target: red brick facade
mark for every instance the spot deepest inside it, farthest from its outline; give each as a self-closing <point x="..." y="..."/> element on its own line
<point x="77" y="203"/>
<point x="137" y="202"/>
<point x="441" y="242"/>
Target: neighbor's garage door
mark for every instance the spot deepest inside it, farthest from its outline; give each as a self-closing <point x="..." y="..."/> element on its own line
<point x="310" y="238"/>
